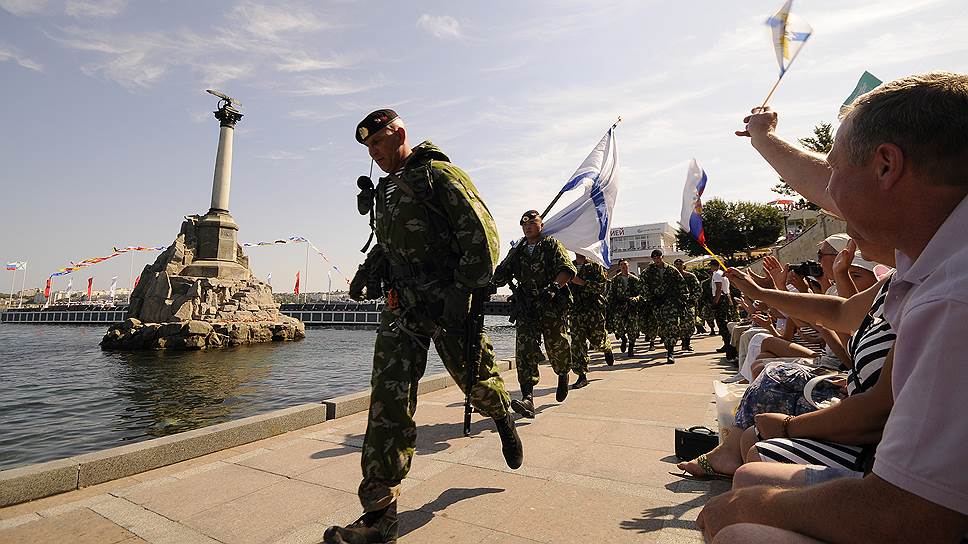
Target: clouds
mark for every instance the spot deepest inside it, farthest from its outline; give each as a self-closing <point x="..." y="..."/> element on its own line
<point x="251" y="39"/>
<point x="9" y="54"/>
<point x="440" y="26"/>
<point x="94" y="8"/>
<point x="23" y="8"/>
<point x="79" y="9"/>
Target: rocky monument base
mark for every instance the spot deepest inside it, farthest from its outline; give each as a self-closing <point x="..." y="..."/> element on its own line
<point x="170" y="310"/>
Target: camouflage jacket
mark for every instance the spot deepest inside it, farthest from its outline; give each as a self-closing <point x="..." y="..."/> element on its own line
<point x="432" y="223"/>
<point x="693" y="288"/>
<point x="536" y="269"/>
<point x="663" y="285"/>
<point x="591" y="296"/>
<point x="624" y="288"/>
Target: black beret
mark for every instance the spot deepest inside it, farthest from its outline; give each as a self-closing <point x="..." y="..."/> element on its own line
<point x="656" y="252"/>
<point x="374" y="122"/>
<point x="529" y="215"/>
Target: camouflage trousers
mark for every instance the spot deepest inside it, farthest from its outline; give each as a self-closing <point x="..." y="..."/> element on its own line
<point x="399" y="361"/>
<point x="688" y="325"/>
<point x="587" y="332"/>
<point x="527" y="346"/>
<point x="664" y="321"/>
<point x="626" y="322"/>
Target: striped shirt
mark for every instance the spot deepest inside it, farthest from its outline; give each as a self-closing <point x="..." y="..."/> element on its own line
<point x="868" y="349"/>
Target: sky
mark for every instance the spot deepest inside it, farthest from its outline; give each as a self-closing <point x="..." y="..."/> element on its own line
<point x="107" y="136"/>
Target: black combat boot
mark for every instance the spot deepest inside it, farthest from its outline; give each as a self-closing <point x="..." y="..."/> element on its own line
<point x="562" y="392"/>
<point x="631" y="348"/>
<point x="686" y="346"/>
<point x="582" y="381"/>
<point x="700" y="329"/>
<point x="510" y="441"/>
<point x="624" y="343"/>
<point x="609" y="358"/>
<point x="525" y="406"/>
<point x="670" y="360"/>
<point x="378" y="527"/>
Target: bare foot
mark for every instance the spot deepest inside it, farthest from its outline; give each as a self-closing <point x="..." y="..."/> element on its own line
<point x="721" y="458"/>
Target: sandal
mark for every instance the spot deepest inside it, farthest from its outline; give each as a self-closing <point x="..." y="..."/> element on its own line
<point x="707" y="468"/>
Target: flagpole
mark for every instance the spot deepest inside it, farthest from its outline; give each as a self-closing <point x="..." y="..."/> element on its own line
<point x="783" y="73"/>
<point x="714" y="256"/>
<point x="13" y="284"/>
<point x="306" y="275"/>
<point x="562" y="191"/>
<point x="23" y="285"/>
<point x="130" y="277"/>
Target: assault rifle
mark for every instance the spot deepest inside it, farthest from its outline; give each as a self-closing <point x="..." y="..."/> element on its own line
<point x="473" y="328"/>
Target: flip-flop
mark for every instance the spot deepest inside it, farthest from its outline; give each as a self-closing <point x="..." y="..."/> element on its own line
<point x="707" y="467"/>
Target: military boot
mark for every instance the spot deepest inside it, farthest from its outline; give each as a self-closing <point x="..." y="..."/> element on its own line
<point x="700" y="329"/>
<point x="631" y="348"/>
<point x="562" y="392"/>
<point x="670" y="360"/>
<point x="624" y="343"/>
<point x="510" y="441"/>
<point x="582" y="381"/>
<point x="525" y="406"/>
<point x="609" y="358"/>
<point x="686" y="346"/>
<point x="378" y="527"/>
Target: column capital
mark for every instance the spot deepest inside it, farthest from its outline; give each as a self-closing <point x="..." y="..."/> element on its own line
<point x="228" y="116"/>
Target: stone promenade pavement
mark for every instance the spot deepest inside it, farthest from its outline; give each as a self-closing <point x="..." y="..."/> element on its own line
<point x="595" y="470"/>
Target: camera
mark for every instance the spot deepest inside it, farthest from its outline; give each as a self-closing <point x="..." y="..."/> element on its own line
<point x="807" y="268"/>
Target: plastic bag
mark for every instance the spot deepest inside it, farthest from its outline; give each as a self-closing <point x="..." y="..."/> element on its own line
<point x="728" y="396"/>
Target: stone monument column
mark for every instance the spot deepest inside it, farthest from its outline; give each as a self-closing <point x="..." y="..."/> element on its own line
<point x="217" y="231"/>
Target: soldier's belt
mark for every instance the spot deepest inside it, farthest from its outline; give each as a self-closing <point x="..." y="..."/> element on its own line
<point x="420" y="271"/>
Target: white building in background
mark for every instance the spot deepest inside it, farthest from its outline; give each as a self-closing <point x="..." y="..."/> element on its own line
<point x="635" y="244"/>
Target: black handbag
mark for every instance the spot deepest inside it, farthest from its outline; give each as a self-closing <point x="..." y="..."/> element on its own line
<point x="695" y="441"/>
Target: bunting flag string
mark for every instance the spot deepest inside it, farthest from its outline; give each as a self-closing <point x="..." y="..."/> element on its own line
<point x="74" y="266"/>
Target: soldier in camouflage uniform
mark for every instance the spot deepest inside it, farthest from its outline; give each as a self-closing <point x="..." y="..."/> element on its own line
<point x="666" y="293"/>
<point x="692" y="303"/>
<point x="706" y="313"/>
<point x="587" y="320"/>
<point x="542" y="269"/>
<point x="440" y="243"/>
<point x="624" y="299"/>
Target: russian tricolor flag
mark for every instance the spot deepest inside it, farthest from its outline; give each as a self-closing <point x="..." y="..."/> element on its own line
<point x="691" y="219"/>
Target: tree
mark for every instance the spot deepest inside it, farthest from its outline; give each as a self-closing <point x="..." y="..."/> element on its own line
<point x="821" y="142"/>
<point x="734" y="227"/>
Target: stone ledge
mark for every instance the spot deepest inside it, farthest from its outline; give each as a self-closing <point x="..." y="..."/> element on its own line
<point x="31" y="482"/>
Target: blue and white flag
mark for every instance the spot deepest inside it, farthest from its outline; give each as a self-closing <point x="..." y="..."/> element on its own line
<point x="790" y="32"/>
<point x="584" y="225"/>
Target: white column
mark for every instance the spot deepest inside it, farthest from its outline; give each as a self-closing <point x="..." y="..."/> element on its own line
<point x="223" y="169"/>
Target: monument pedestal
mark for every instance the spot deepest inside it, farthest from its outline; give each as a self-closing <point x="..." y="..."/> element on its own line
<point x="217" y="251"/>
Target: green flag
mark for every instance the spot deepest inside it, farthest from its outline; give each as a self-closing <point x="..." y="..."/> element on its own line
<point x="868" y="82"/>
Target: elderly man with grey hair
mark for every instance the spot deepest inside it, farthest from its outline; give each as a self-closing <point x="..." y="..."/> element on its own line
<point x="898" y="173"/>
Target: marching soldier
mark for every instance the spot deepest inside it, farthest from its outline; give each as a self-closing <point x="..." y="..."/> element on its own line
<point x="587" y="321"/>
<point x="688" y="325"/>
<point x="430" y="266"/>
<point x="624" y="307"/>
<point x="542" y="269"/>
<point x="666" y="293"/>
